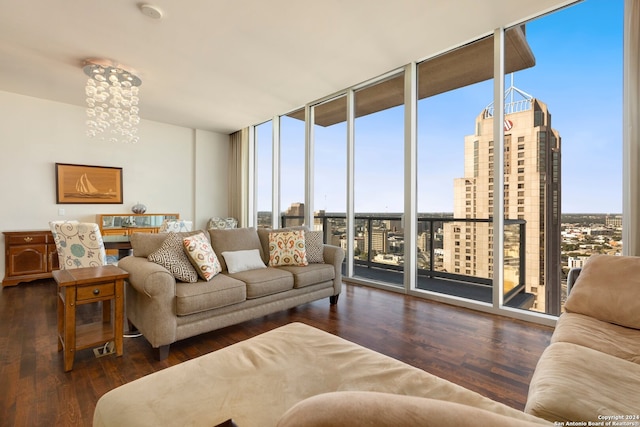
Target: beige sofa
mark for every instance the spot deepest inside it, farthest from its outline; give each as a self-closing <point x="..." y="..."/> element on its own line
<point x="591" y="371"/>
<point x="166" y="310"/>
<point x="297" y="375"/>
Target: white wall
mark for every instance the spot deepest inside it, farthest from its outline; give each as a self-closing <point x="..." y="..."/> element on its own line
<point x="171" y="169"/>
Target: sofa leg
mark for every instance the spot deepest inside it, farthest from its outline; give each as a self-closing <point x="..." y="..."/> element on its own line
<point x="162" y="352"/>
<point x="333" y="299"/>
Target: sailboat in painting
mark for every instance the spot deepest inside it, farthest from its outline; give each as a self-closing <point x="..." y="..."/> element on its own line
<point x="84" y="188"/>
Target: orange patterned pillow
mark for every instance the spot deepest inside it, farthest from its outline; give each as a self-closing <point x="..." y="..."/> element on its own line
<point x="202" y="256"/>
<point x="287" y="248"/>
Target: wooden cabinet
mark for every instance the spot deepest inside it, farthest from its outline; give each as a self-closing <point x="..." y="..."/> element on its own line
<point x="29" y="255"/>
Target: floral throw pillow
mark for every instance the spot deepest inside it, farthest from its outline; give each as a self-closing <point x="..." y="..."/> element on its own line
<point x="202" y="256"/>
<point x="287" y="248"/>
<point x="171" y="255"/>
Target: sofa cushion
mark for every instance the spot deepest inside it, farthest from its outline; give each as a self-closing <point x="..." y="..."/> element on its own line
<point x="171" y="256"/>
<point x="315" y="246"/>
<point x="220" y="291"/>
<point x="607" y="289"/>
<point x="236" y="239"/>
<point x="265" y="281"/>
<point x="238" y="261"/>
<point x="311" y="274"/>
<point x="618" y="341"/>
<point x="201" y="255"/>
<point x="575" y="383"/>
<point x="287" y="248"/>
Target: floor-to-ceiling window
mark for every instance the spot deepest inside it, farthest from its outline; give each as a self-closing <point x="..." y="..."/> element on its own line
<point x="330" y="169"/>
<point x="263" y="140"/>
<point x="378" y="181"/>
<point x="455" y="168"/>
<point x="563" y="145"/>
<point x="292" y="168"/>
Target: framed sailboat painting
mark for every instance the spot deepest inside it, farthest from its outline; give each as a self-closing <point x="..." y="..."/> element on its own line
<point x="88" y="184"/>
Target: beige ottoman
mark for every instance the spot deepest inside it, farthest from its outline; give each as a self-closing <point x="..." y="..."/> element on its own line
<point x="256" y="381"/>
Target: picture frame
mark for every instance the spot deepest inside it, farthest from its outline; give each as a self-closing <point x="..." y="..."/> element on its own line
<point x="85" y="184"/>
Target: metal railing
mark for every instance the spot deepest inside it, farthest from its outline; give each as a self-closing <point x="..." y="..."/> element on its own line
<point x="381" y="234"/>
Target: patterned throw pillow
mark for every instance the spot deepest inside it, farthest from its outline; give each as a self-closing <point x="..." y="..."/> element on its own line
<point x="171" y="256"/>
<point x="202" y="256"/>
<point x="314" y="246"/>
<point x="287" y="248"/>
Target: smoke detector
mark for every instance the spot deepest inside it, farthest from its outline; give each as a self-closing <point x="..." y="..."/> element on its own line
<point x="151" y="11"/>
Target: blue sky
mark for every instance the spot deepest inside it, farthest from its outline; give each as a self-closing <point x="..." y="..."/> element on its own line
<point x="578" y="74"/>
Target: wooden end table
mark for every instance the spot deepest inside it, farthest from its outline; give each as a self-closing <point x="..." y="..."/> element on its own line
<point x="84" y="286"/>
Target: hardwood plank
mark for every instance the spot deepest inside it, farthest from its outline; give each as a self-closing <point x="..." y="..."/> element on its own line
<point x="492" y="355"/>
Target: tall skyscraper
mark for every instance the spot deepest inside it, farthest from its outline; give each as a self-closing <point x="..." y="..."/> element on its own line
<point x="531" y="195"/>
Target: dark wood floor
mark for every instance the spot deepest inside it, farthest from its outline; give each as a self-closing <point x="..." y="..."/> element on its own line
<point x="492" y="355"/>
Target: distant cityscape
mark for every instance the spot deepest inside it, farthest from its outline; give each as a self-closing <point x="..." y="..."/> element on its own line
<point x="582" y="234"/>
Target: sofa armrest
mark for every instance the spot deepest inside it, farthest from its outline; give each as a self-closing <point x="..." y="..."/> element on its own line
<point x="334" y="255"/>
<point x="148" y="277"/>
<point x="362" y="408"/>
<point x="572" y="276"/>
<point x="150" y="304"/>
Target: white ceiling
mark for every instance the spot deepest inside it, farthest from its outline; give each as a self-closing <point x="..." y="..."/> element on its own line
<point x="221" y="65"/>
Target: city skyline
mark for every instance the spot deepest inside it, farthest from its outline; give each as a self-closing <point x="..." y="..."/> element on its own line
<point x="578" y="74"/>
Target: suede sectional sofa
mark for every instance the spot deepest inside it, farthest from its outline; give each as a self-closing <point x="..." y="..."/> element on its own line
<point x="166" y="309"/>
<point x="590" y="373"/>
<point x="298" y="375"/>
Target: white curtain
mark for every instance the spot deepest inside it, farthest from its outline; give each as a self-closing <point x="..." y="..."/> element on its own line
<point x="631" y="128"/>
<point x="239" y="177"/>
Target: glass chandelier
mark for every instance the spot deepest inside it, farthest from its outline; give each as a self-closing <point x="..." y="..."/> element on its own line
<point x="112" y="102"/>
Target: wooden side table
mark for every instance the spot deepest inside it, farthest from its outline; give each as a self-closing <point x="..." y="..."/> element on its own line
<point x="84" y="286"/>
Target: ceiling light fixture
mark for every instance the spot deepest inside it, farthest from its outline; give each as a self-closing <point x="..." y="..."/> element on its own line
<point x="151" y="11"/>
<point x="112" y="101"/>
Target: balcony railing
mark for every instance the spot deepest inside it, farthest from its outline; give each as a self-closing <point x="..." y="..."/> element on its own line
<point x="379" y="250"/>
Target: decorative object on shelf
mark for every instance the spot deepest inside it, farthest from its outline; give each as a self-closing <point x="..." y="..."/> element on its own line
<point x="128" y="222"/>
<point x="112" y="101"/>
<point x="139" y="208"/>
<point x="88" y="184"/>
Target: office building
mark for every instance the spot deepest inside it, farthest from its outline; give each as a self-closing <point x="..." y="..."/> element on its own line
<point x="531" y="198"/>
